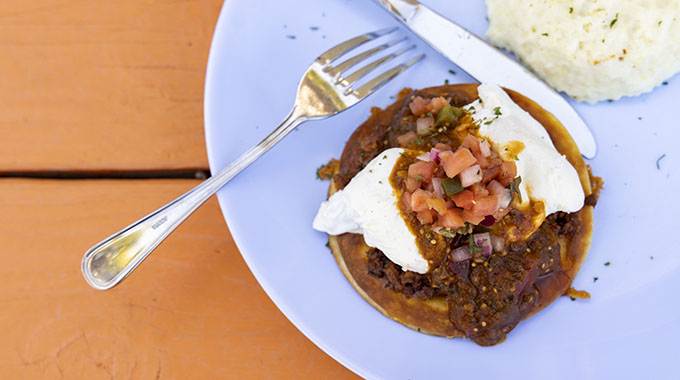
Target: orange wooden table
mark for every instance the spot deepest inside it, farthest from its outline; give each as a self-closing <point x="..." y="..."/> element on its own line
<point x="100" y="123"/>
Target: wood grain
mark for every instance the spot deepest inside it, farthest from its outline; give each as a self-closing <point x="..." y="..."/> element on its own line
<point x="103" y="85"/>
<point x="191" y="311"/>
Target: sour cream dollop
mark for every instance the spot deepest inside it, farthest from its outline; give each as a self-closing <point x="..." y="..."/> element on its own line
<point x="547" y="176"/>
<point x="368" y="206"/>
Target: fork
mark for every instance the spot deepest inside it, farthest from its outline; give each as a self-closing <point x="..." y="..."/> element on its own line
<point x="323" y="91"/>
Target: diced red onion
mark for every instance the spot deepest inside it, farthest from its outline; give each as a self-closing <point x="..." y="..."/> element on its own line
<point x="425" y="157"/>
<point x="504" y="199"/>
<point x="488" y="221"/>
<point x="497" y="243"/>
<point x="424" y="125"/>
<point x="434" y="154"/>
<point x="460" y="254"/>
<point x="485" y="147"/>
<point x="437" y="187"/>
<point x="471" y="175"/>
<point x="483" y="241"/>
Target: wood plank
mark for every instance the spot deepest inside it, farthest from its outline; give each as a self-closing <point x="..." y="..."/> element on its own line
<point x="103" y="85"/>
<point x="191" y="311"/>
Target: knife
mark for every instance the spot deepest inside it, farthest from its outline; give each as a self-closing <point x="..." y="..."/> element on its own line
<point x="488" y="64"/>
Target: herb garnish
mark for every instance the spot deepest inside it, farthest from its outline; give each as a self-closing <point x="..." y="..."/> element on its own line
<point x="447" y="232"/>
<point x="595" y="279"/>
<point x="452" y="72"/>
<point x="607" y="264"/>
<point x="571" y="10"/>
<point x="544" y="34"/>
<point x="614" y="21"/>
<point x="658" y="167"/>
<point x="315" y="28"/>
<point x="290" y="37"/>
<point x="497" y="111"/>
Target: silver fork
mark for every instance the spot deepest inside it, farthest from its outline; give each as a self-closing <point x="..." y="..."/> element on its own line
<point x="322" y="92"/>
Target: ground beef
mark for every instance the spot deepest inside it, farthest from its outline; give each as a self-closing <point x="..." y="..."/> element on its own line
<point x="406" y="282"/>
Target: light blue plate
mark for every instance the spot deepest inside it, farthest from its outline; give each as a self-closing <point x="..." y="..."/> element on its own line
<point x="629" y="329"/>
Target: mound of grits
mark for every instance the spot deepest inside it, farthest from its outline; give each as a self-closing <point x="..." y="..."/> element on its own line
<point x="592" y="50"/>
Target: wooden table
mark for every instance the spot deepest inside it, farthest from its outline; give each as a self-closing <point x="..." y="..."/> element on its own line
<point x="101" y="122"/>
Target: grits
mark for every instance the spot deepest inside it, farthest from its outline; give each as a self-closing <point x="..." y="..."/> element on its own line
<point x="592" y="50"/>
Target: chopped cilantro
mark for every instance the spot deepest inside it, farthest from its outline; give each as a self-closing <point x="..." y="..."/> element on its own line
<point x="658" y="167"/>
<point x="516" y="158"/>
<point x="660" y="21"/>
<point x="571" y="10"/>
<point x="446" y="81"/>
<point x="385" y="157"/>
<point x="447" y="232"/>
<point x="616" y="18"/>
<point x="665" y="83"/>
<point x="315" y="28"/>
<point x="572" y="298"/>
<point x="497" y="111"/>
<point x="544" y="34"/>
<point x="328" y="244"/>
<point x="607" y="264"/>
<point x="452" y="72"/>
<point x="595" y="279"/>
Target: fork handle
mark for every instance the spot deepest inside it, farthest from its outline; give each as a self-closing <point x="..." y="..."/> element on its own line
<point x="113" y="259"/>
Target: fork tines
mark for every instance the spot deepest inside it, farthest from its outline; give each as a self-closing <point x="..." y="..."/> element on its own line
<point x="336" y="71"/>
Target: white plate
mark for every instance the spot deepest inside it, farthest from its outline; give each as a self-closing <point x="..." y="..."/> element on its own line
<point x="630" y="327"/>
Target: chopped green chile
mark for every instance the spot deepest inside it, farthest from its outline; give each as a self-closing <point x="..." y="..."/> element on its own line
<point x="514" y="187"/>
<point x="452" y="186"/>
<point x="448" y="114"/>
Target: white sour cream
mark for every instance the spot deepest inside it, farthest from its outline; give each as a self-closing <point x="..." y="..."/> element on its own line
<point x="547" y="176"/>
<point x="368" y="206"/>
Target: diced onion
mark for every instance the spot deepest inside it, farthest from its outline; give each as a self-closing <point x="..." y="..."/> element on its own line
<point x="471" y="175"/>
<point x="424" y="125"/>
<point x="460" y="254"/>
<point x="438" y="188"/>
<point x="425" y="157"/>
<point x="485" y="147"/>
<point x="434" y="154"/>
<point x="483" y="241"/>
<point x="498" y="243"/>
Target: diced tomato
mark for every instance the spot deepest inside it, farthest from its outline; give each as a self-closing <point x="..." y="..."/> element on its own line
<point x="419" y="200"/>
<point x="425" y="217"/>
<point x="464" y="199"/>
<point x="471" y="143"/>
<point x="495" y="188"/>
<point x="418" y="106"/>
<point x="443" y="147"/>
<point x="483" y="162"/>
<point x="406" y="200"/>
<point x="437" y="204"/>
<point x="485" y="147"/>
<point x="484" y="206"/>
<point x="436" y="104"/>
<point x="478" y="190"/>
<point x="412" y="184"/>
<point x="471" y="175"/>
<point x="508" y="173"/>
<point x="454" y="163"/>
<point x="490" y="173"/>
<point x="470" y="218"/>
<point x="421" y="171"/>
<point x="407" y="138"/>
<point x="451" y="219"/>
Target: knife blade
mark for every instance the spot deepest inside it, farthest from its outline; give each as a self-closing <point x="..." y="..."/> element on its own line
<point x="488" y="64"/>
